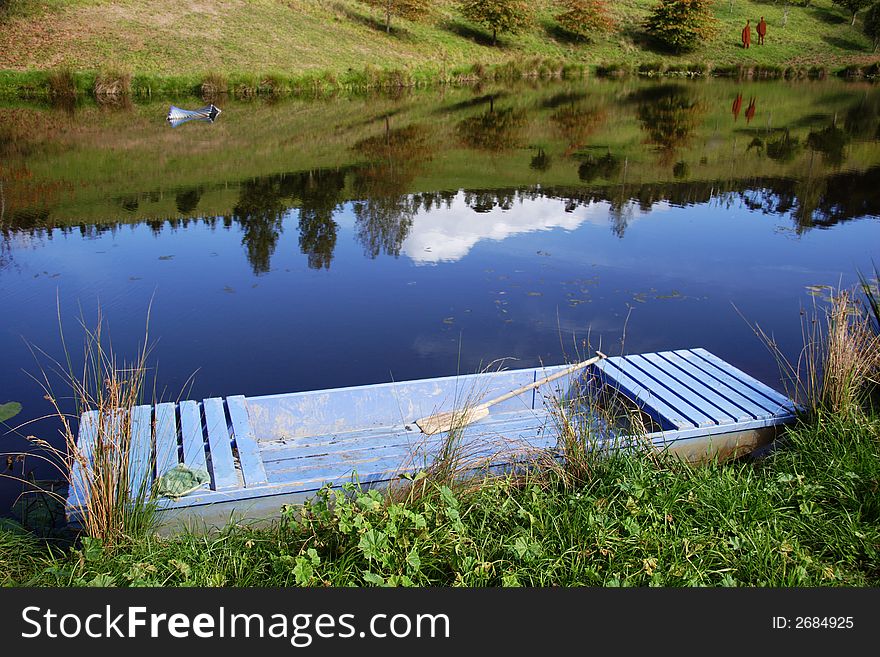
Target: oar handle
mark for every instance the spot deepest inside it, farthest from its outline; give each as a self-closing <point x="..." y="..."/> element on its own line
<point x="546" y="379"/>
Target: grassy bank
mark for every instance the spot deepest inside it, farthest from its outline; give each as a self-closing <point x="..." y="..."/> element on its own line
<point x="807" y="516"/>
<point x="272" y="47"/>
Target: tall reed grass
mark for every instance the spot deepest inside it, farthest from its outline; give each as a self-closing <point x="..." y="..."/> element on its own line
<point x="108" y="489"/>
<point x="839" y="360"/>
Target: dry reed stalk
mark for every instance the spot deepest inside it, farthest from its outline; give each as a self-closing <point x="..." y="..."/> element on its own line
<point x="109" y="86"/>
<point x="112" y="509"/>
<point x="213" y="86"/>
<point x="840" y="356"/>
<point x="450" y="460"/>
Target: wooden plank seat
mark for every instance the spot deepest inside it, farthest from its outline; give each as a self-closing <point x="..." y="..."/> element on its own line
<point x="264" y="451"/>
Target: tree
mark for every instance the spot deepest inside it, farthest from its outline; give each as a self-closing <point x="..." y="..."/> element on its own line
<point x="497" y="15"/>
<point x="852" y="6"/>
<point x="411" y="9"/>
<point x="682" y="25"/>
<point x="871" y="26"/>
<point x="584" y="17"/>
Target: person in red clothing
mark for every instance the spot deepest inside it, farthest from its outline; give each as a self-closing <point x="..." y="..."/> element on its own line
<point x="750" y="111"/>
<point x="747" y="35"/>
<point x="761" y="29"/>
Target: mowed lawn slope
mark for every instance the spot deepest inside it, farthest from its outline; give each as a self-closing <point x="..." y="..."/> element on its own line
<point x="298" y="36"/>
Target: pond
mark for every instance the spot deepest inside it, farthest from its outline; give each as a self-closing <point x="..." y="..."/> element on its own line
<point x="314" y="244"/>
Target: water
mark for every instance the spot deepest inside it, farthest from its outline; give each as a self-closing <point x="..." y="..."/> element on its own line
<point x="307" y="245"/>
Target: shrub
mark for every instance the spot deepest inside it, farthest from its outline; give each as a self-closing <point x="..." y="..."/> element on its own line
<point x="110" y="86"/>
<point x="681" y="25"/>
<point x="585" y="18"/>
<point x="498" y="15"/>
<point x="401" y="8"/>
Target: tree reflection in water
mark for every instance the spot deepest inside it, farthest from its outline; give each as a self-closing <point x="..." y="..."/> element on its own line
<point x="384" y="211"/>
<point x="494" y="130"/>
<point x="669" y="115"/>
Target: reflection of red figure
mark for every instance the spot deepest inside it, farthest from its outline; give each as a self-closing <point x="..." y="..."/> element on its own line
<point x="737" y="106"/>
<point x="761" y="29"/>
<point x="747" y="35"/>
<point x="750" y="110"/>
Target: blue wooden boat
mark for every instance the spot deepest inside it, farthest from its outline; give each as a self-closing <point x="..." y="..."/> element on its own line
<point x="263" y="452"/>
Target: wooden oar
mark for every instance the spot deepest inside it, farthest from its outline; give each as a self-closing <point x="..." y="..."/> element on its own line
<point x="441" y="422"/>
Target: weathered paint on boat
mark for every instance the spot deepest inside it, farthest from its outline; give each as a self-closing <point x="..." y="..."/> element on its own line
<point x="263" y="452"/>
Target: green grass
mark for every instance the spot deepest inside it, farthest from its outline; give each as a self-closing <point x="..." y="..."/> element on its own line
<point x="305" y="43"/>
<point x="809" y="515"/>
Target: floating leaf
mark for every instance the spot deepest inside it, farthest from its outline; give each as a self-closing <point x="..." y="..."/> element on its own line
<point x="9" y="411"/>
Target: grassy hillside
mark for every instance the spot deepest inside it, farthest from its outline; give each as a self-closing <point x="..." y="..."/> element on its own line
<point x="296" y="37"/>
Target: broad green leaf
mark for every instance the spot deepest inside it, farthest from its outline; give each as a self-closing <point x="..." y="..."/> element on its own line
<point x="303" y="570"/>
<point x="373" y="578"/>
<point x="373" y="544"/>
<point x="9" y="411"/>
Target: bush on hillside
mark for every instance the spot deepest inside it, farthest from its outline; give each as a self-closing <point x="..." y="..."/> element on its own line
<point x="585" y="18"/>
<point x="400" y="8"/>
<point x="498" y="15"/>
<point x="682" y="25"/>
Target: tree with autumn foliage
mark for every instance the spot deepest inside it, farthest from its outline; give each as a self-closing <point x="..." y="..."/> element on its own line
<point x="411" y="9"/>
<point x="682" y="25"/>
<point x="497" y="15"/>
<point x="585" y="18"/>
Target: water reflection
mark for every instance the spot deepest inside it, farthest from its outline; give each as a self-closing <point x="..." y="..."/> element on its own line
<point x="669" y="115"/>
<point x="260" y="211"/>
<point x="320" y="194"/>
<point x="494" y="130"/>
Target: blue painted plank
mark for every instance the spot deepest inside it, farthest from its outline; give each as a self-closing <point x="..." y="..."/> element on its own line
<point x="664" y="414"/>
<point x="729" y="380"/>
<point x="516" y="428"/>
<point x="388" y="462"/>
<point x="220" y="445"/>
<point x="81" y="471"/>
<point x="248" y="450"/>
<point x="166" y="438"/>
<point x="699" y="395"/>
<point x="665" y="388"/>
<point x="753" y="383"/>
<point x="734" y="378"/>
<point x="754" y="410"/>
<point x="324" y="412"/>
<point x="192" y="436"/>
<point x="140" y="466"/>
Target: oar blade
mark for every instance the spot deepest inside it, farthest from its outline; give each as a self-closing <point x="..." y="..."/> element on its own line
<point x="451" y="420"/>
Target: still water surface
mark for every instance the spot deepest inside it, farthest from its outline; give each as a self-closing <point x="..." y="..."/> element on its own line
<point x="306" y="245"/>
